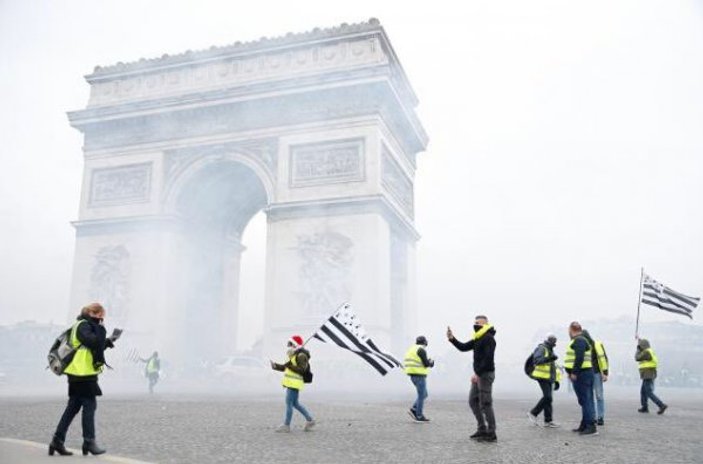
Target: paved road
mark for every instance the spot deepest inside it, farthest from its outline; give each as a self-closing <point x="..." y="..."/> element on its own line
<point x="13" y="451"/>
<point x="221" y="430"/>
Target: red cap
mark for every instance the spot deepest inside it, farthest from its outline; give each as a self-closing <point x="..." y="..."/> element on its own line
<point x="297" y="340"/>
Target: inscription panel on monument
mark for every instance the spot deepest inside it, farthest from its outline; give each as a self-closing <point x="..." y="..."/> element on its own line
<point x="120" y="185"/>
<point x="327" y="162"/>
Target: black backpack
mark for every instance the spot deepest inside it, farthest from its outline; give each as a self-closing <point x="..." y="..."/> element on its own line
<point x="530" y="365"/>
<point x="61" y="353"/>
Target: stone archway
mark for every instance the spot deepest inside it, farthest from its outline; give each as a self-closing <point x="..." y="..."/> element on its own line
<point x="316" y="129"/>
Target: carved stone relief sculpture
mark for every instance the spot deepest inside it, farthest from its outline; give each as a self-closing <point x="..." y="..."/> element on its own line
<point x="325" y="265"/>
<point x="109" y="281"/>
<point x="120" y="185"/>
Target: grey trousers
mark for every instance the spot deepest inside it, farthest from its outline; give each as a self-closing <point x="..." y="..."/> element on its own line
<point x="481" y="402"/>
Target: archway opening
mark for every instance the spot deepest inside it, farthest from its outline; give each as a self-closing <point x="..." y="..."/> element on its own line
<point x="215" y="205"/>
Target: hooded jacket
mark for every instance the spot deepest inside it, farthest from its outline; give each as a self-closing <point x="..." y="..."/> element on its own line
<point x="648" y="373"/>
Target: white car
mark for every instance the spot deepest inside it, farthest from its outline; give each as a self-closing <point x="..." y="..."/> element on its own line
<point x="243" y="368"/>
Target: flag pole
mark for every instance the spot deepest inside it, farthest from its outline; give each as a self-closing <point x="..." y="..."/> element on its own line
<point x="346" y="303"/>
<point x="639" y="303"/>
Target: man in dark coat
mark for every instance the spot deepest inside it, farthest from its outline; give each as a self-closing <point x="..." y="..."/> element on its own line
<point x="483" y="345"/>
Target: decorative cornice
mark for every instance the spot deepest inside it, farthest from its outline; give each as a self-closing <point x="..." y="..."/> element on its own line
<point x="215" y="52"/>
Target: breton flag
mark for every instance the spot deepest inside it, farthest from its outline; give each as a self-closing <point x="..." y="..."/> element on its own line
<point x="344" y="330"/>
<point x="660" y="296"/>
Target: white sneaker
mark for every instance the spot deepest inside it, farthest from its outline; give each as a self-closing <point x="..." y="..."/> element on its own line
<point x="309" y="425"/>
<point x="532" y="419"/>
<point x="551" y="425"/>
<point x="283" y="428"/>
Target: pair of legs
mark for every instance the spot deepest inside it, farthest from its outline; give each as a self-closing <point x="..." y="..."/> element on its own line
<point x="647" y="393"/>
<point x="583" y="386"/>
<point x="481" y="402"/>
<point x="153" y="380"/>
<point x="545" y="403"/>
<point x="75" y="403"/>
<point x="293" y="403"/>
<point x="420" y="382"/>
<point x="598" y="395"/>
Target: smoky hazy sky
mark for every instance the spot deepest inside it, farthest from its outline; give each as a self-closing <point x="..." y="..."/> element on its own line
<point x="566" y="145"/>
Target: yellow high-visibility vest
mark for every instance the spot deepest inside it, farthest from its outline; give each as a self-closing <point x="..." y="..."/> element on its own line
<point x="601" y="358"/>
<point x="151" y="366"/>
<point x="292" y="379"/>
<point x="412" y="362"/>
<point x="82" y="363"/>
<point x="544" y="370"/>
<point x="571" y="355"/>
<point x="651" y="364"/>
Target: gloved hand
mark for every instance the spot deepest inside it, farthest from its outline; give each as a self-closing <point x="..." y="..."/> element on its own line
<point x="430" y="362"/>
<point x="553" y="358"/>
<point x="556" y="386"/>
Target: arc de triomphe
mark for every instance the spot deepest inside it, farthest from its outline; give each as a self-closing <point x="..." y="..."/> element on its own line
<point x="316" y="129"/>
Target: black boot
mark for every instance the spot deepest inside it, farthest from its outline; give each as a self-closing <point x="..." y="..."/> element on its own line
<point x="89" y="446"/>
<point x="589" y="430"/>
<point x="57" y="446"/>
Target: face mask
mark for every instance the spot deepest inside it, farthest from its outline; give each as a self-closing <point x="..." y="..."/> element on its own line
<point x="477" y="327"/>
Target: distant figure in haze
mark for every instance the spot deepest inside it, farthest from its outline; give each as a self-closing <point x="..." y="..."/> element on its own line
<point x="600" y="375"/>
<point x="295" y="371"/>
<point x="88" y="335"/>
<point x="648" y="363"/>
<point x="579" y="364"/>
<point x="548" y="376"/>
<point x="417" y="365"/>
<point x="152" y="369"/>
<point x="483" y="345"/>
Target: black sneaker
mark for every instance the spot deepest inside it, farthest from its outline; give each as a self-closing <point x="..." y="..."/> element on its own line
<point x="488" y="437"/>
<point x="423" y="419"/>
<point x="601" y="422"/>
<point x="412" y="415"/>
<point x="478" y="434"/>
<point x="643" y="410"/>
<point x="579" y="429"/>
<point x="662" y="409"/>
<point x="592" y="430"/>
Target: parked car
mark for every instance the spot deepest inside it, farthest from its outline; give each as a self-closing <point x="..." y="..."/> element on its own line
<point x="244" y="370"/>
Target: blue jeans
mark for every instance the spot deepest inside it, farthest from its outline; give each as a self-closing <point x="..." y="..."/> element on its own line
<point x="598" y="393"/>
<point x="647" y="393"/>
<point x="583" y="386"/>
<point x="420" y="382"/>
<point x="292" y="402"/>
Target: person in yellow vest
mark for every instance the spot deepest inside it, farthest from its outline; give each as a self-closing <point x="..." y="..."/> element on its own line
<point x="648" y="363"/>
<point x="152" y="369"/>
<point x="600" y="375"/>
<point x="294" y="370"/>
<point x="88" y="335"/>
<point x="417" y="365"/>
<point x="578" y="363"/>
<point x="548" y="376"/>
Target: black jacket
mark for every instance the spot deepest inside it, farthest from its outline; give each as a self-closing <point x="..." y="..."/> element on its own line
<point x="484" y="351"/>
<point x="93" y="336"/>
<point x="422" y="354"/>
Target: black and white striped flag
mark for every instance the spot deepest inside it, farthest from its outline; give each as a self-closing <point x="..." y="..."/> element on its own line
<point x="660" y="296"/>
<point x="344" y="330"/>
